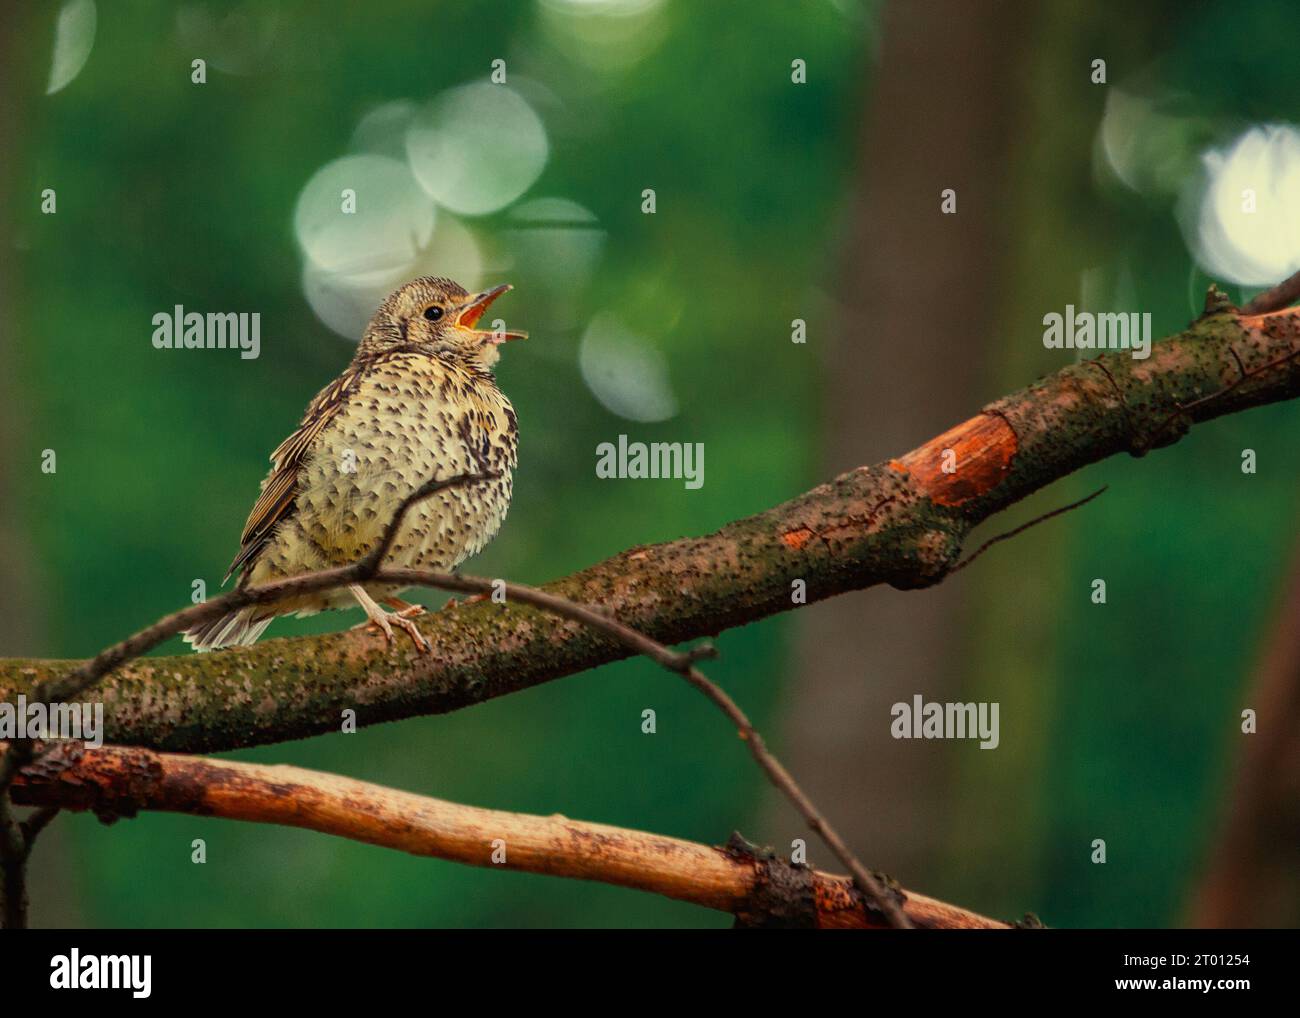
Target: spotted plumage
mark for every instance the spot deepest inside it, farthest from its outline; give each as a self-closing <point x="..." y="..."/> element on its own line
<point x="417" y="403"/>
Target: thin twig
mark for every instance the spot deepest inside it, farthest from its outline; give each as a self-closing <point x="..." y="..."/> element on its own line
<point x="1275" y="298"/>
<point x="36" y="823"/>
<point x="682" y="664"/>
<point x="371" y="560"/>
<point x="1025" y="526"/>
<point x="13" y="868"/>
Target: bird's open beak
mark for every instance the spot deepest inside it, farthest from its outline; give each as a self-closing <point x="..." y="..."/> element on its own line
<point x="472" y="310"/>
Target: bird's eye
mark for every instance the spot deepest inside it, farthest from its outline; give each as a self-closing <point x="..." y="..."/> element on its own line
<point x="433" y="312"/>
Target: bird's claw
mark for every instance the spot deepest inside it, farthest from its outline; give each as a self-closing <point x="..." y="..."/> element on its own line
<point x="383" y="625"/>
<point x="404" y="622"/>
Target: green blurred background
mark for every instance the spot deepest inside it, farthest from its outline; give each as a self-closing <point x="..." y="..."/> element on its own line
<point x="776" y="200"/>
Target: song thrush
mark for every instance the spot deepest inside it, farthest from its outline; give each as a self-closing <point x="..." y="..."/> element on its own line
<point x="417" y="403"/>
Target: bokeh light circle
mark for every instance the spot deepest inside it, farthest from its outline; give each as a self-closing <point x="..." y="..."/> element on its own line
<point x="74" y="38"/>
<point x="1234" y="240"/>
<point x="392" y="223"/>
<point x="477" y="148"/>
<point x="625" y="373"/>
<point x="345" y="301"/>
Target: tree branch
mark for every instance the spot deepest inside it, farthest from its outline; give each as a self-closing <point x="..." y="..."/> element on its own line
<point x="901" y="522"/>
<point x="13" y="863"/>
<point x="756" y="886"/>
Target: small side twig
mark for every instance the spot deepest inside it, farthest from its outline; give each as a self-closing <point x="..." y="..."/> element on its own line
<point x="36" y="823"/>
<point x="18" y="841"/>
<point x="1275" y="298"/>
<point x="1025" y="526"/>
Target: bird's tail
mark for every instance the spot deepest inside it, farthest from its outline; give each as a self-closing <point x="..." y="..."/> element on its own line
<point x="238" y="629"/>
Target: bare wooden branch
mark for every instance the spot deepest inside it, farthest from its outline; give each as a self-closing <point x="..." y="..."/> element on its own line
<point x="753" y="885"/>
<point x="13" y="864"/>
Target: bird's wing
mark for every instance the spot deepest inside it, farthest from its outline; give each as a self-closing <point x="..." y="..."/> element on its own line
<point x="281" y="486"/>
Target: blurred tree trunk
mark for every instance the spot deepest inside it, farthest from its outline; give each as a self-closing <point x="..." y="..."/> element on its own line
<point x="940" y="115"/>
<point x="993" y="100"/>
<point x="1253" y="879"/>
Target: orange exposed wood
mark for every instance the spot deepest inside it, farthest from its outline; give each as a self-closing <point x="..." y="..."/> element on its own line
<point x="796" y="539"/>
<point x="982" y="450"/>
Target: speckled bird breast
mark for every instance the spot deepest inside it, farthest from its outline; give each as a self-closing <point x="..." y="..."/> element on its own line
<point x="412" y="417"/>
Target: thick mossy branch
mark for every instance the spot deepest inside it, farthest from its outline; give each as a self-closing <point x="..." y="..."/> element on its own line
<point x="901" y="522"/>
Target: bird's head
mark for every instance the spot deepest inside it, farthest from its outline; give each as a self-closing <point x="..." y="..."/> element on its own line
<point x="439" y="316"/>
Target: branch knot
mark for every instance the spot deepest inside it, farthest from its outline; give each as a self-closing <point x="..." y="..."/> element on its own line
<point x="784" y="893"/>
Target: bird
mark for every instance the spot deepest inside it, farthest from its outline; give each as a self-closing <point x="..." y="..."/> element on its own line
<point x="418" y="403"/>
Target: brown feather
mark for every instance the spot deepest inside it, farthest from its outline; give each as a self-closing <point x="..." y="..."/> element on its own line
<point x="281" y="486"/>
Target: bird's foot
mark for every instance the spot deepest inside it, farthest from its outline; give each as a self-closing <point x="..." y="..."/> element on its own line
<point x="383" y="626"/>
<point x="379" y="628"/>
<point x="404" y="622"/>
<point x="382" y="622"/>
